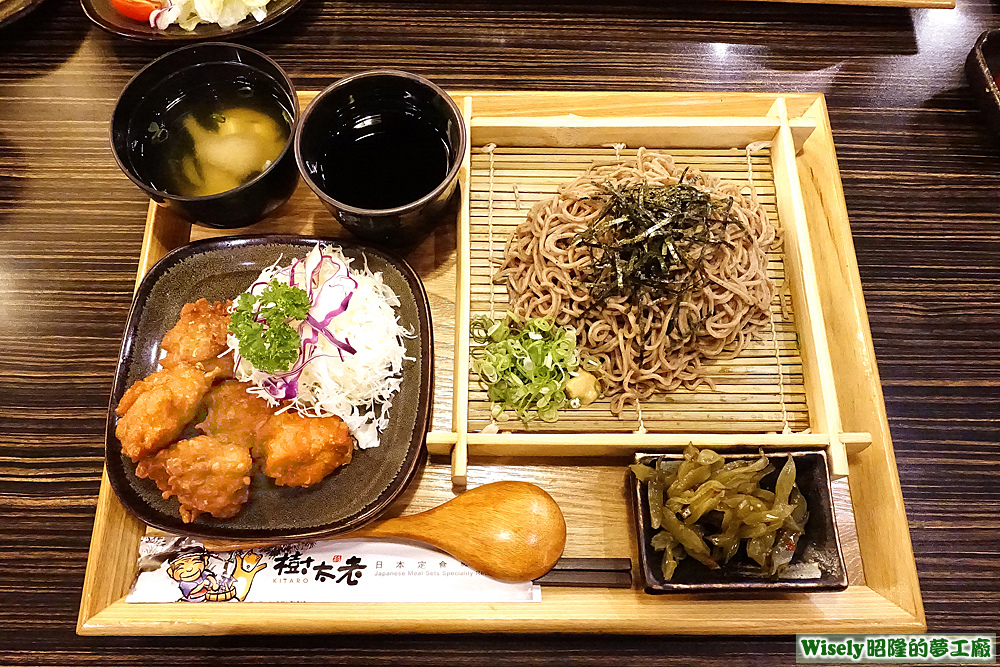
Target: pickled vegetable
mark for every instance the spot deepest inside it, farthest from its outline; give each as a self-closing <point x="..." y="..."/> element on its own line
<point x="707" y="508"/>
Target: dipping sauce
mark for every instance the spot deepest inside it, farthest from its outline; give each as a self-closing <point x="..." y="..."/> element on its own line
<point x="382" y="161"/>
<point x="212" y="136"/>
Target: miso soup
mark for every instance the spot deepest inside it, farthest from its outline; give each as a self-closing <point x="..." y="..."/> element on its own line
<point x="212" y="135"/>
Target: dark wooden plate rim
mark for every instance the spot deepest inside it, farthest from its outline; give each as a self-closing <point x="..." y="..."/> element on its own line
<point x="751" y="587"/>
<point x="22" y="8"/>
<point x="981" y="78"/>
<point x="416" y="450"/>
<point x="107" y="18"/>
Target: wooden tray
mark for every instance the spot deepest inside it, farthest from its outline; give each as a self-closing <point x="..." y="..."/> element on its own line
<point x="839" y="380"/>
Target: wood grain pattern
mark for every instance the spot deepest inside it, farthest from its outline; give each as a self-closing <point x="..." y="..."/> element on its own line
<point x="919" y="177"/>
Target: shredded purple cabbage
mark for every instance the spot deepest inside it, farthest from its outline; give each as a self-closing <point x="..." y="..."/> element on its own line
<point x="284" y="386"/>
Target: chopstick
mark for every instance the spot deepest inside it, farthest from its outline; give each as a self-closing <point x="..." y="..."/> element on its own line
<point x="589" y="573"/>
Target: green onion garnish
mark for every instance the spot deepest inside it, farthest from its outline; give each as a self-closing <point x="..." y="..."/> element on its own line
<point x="524" y="365"/>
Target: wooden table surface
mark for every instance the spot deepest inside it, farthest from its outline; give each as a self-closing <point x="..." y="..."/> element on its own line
<point x="920" y="174"/>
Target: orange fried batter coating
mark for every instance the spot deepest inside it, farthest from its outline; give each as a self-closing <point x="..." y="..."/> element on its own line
<point x="206" y="475"/>
<point x="155" y="411"/>
<point x="299" y="451"/>
<point x="199" y="337"/>
<point x="236" y="416"/>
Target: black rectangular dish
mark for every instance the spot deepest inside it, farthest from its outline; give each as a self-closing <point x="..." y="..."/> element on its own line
<point x="818" y="563"/>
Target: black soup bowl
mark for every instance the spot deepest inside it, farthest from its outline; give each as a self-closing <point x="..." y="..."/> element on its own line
<point x="382" y="151"/>
<point x="207" y="130"/>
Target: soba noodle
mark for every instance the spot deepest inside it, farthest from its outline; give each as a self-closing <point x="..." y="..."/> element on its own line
<point x="545" y="271"/>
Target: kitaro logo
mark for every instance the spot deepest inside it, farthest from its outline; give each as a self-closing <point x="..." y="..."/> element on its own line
<point x="950" y="649"/>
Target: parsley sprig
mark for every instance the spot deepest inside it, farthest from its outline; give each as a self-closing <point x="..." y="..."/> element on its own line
<point x="261" y="325"/>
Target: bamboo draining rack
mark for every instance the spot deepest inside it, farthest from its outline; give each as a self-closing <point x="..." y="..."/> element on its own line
<point x="785" y="136"/>
<point x="593" y="495"/>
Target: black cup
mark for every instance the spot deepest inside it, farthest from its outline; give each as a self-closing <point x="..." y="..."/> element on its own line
<point x="171" y="77"/>
<point x="382" y="151"/>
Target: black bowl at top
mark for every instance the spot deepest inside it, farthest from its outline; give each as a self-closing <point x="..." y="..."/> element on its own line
<point x="207" y="131"/>
<point x="982" y="68"/>
<point x="382" y="151"/>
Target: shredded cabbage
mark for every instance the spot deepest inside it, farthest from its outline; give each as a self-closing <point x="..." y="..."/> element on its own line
<point x="351" y="352"/>
<point x="189" y="13"/>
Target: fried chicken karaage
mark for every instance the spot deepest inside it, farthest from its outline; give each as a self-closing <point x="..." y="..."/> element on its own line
<point x="206" y="474"/>
<point x="235" y="415"/>
<point x="199" y="337"/>
<point x="299" y="451"/>
<point x="155" y="411"/>
<point x="211" y="472"/>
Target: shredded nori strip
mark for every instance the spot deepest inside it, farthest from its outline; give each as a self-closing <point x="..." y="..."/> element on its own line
<point x="649" y="245"/>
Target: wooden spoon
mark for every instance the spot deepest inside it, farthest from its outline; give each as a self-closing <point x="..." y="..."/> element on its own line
<point x="513" y="531"/>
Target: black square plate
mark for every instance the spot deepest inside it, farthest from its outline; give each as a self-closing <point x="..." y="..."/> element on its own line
<point x="818" y="564"/>
<point x="220" y="269"/>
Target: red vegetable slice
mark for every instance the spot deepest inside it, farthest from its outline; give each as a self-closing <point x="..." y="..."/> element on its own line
<point x="136" y="9"/>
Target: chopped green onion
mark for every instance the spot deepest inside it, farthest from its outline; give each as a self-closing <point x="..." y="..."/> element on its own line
<point x="524" y="365"/>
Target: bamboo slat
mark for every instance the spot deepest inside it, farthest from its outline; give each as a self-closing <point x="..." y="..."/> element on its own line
<point x="459" y="455"/>
<point x="805" y="285"/>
